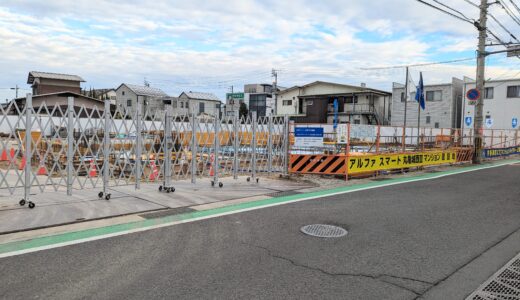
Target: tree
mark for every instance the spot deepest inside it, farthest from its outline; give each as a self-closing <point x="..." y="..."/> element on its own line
<point x="243" y="111"/>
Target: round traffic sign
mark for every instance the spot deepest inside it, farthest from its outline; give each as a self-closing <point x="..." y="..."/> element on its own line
<point x="473" y="94"/>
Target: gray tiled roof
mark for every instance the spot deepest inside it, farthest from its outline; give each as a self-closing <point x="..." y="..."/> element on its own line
<point x="146" y="90"/>
<point x="202" y="96"/>
<point x="35" y="74"/>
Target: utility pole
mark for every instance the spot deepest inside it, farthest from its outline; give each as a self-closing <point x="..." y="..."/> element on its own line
<point x="16" y="88"/>
<point x="275" y="89"/>
<point x="481" y="65"/>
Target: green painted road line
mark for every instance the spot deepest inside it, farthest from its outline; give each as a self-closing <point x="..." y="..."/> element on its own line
<point x="47" y="242"/>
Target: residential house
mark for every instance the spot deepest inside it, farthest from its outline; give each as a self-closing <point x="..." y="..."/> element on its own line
<point x="129" y="95"/>
<point x="48" y="83"/>
<point x="443" y="105"/>
<point x="501" y="104"/>
<point x="199" y="103"/>
<point x="314" y="103"/>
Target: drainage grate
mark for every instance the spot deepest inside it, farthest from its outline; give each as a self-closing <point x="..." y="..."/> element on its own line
<point x="505" y="284"/>
<point x="324" y="231"/>
<point x="283" y="194"/>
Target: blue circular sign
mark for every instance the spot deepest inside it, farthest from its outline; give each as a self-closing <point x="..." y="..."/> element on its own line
<point x="473" y="94"/>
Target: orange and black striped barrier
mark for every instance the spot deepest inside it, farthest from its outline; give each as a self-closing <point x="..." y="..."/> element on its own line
<point x="318" y="164"/>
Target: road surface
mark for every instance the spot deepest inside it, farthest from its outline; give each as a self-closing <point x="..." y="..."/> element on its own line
<point x="433" y="239"/>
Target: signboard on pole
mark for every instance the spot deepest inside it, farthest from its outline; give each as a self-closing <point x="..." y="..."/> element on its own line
<point x="513" y="51"/>
<point x="468" y="121"/>
<point x="306" y="137"/>
<point x="514" y="123"/>
<point x="473" y="96"/>
<point x="489" y="122"/>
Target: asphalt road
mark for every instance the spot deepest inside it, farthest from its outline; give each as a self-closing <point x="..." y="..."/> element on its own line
<point x="405" y="242"/>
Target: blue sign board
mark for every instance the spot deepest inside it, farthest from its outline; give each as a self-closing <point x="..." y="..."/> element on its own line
<point x="468" y="121"/>
<point x="500" y="152"/>
<point x="308" y="132"/>
<point x="514" y="122"/>
<point x="489" y="122"/>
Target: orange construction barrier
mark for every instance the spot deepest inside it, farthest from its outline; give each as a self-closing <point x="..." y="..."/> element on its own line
<point x="3" y="157"/>
<point x="155" y="171"/>
<point x="212" y="161"/>
<point x="42" y="170"/>
<point x="318" y="164"/>
<point x="22" y="163"/>
<point x="93" y="170"/>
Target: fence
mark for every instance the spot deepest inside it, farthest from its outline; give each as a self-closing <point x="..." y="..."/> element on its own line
<point x="73" y="147"/>
<point x="367" y="149"/>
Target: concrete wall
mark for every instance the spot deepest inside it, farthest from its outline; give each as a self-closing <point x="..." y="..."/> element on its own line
<point x="500" y="109"/>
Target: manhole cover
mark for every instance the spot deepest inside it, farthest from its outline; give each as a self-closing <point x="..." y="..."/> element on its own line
<point x="324" y="231"/>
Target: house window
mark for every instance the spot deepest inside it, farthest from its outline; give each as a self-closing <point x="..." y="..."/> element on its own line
<point x="351" y="100"/>
<point x="113" y="97"/>
<point x="434" y="96"/>
<point x="201" y="107"/>
<point x="436" y="124"/>
<point x="357" y="121"/>
<point x="129" y="102"/>
<point x="182" y="104"/>
<point x="287" y="102"/>
<point x="513" y="91"/>
<point x="123" y="93"/>
<point x="402" y="97"/>
<point x="488" y="93"/>
<point x="309" y="102"/>
<point x="428" y="119"/>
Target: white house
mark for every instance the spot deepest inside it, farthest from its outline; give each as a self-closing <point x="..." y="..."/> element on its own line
<point x="199" y="103"/>
<point x="501" y="104"/>
<point x="150" y="98"/>
<point x="443" y="105"/>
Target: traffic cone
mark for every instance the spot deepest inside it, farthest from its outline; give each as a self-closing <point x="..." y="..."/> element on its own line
<point x="155" y="172"/>
<point x="212" y="160"/>
<point x="22" y="163"/>
<point x="3" y="157"/>
<point x="93" y="170"/>
<point x="12" y="154"/>
<point x="42" y="170"/>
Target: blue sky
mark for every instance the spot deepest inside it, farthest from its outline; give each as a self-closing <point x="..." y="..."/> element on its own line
<point x="211" y="45"/>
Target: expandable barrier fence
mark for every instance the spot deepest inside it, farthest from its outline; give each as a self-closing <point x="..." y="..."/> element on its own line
<point x="355" y="149"/>
<point x="72" y="147"/>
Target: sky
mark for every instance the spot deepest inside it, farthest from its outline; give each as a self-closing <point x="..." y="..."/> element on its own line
<point x="209" y="46"/>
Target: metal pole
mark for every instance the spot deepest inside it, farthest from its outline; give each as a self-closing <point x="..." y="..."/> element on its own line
<point x="347" y="150"/>
<point x="481" y="65"/>
<point x="28" y="142"/>
<point x="216" y="145"/>
<point x="70" y="143"/>
<point x="419" y="125"/>
<point x="406" y="96"/>
<point x="286" y="146"/>
<point x="253" y="142"/>
<point x="270" y="145"/>
<point x="236" y="122"/>
<point x="138" y="142"/>
<point x="106" y="148"/>
<point x="168" y="144"/>
<point x="193" y="148"/>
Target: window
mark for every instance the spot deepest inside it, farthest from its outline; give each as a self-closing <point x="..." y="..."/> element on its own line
<point x="488" y="93"/>
<point x="309" y="102"/>
<point x="129" y="102"/>
<point x="428" y="119"/>
<point x="357" y="121"/>
<point x="434" y="96"/>
<point x="201" y="107"/>
<point x="402" y="97"/>
<point x="513" y="91"/>
<point x="113" y="97"/>
<point x="436" y="124"/>
<point x="123" y="93"/>
<point x="351" y="100"/>
<point x="182" y="104"/>
<point x="287" y="102"/>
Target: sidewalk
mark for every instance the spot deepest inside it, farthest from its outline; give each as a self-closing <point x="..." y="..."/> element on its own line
<point x="56" y="208"/>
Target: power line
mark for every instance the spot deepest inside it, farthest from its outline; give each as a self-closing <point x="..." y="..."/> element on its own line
<point x="421" y="64"/>
<point x="503" y="27"/>
<point x="509" y="12"/>
<point x="453" y="9"/>
<point x="516" y="6"/>
<point x="446" y="12"/>
<point x="472" y="3"/>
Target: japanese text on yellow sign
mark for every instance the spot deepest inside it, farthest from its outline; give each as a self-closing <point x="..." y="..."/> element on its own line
<point x="397" y="161"/>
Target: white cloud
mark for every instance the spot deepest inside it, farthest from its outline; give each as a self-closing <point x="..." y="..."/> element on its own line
<point x="185" y="44"/>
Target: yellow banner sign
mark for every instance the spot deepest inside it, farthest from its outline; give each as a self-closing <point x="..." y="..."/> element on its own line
<point x="382" y="162"/>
